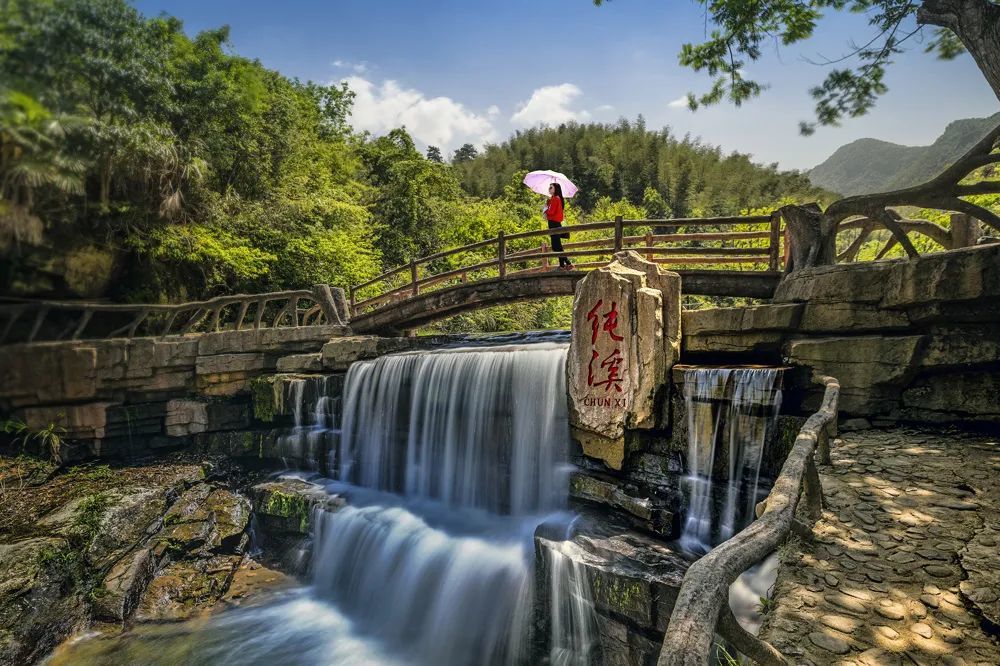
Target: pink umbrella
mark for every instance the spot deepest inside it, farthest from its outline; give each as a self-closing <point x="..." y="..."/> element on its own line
<point x="539" y="181"/>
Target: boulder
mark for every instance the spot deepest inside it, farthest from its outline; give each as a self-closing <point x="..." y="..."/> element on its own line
<point x="186" y="588"/>
<point x="646" y="513"/>
<point x="617" y="361"/>
<point x="123" y="585"/>
<point x="129" y="516"/>
<point x="283" y="340"/>
<point x="840" y="318"/>
<point x="231" y="363"/>
<point x="38" y="605"/>
<point x="285" y="507"/>
<point x="966" y="274"/>
<point x="863" y="282"/>
<point x="668" y="284"/>
<point x="631" y="580"/>
<point x="230" y="516"/>
<point x="86" y="421"/>
<point x="205" y="519"/>
<point x="952" y="347"/>
<point x="750" y="342"/>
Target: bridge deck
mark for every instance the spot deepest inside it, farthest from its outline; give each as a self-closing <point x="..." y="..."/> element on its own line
<point x="414" y="311"/>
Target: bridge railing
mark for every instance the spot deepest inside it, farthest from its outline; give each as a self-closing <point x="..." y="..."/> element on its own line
<point x="755" y="242"/>
<point x="40" y="321"/>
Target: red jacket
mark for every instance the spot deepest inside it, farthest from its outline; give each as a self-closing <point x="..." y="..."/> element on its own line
<point x="555" y="211"/>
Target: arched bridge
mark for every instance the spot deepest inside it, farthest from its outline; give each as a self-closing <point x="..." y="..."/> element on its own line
<point x="723" y="256"/>
<point x="426" y="308"/>
<point x="726" y="256"/>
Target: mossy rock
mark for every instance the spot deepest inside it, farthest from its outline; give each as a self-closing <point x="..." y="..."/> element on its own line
<point x="286" y="506"/>
<point x="268" y="398"/>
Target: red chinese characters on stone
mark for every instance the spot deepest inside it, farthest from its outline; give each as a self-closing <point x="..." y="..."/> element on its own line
<point x="610" y="322"/>
<point x="609" y="369"/>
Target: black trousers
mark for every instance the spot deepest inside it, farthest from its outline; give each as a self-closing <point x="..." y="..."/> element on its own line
<point x="557" y="243"/>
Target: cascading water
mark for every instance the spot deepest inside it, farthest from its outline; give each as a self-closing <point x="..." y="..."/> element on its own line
<point x="741" y="405"/>
<point x="572" y="634"/>
<point x="450" y="459"/>
<point x="314" y="410"/>
<point x="448" y="462"/>
<point x="481" y="428"/>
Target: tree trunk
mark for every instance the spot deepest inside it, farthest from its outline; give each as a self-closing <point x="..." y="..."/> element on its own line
<point x="976" y="23"/>
<point x="812" y="239"/>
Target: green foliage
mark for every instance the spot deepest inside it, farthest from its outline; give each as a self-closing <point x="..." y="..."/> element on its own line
<point x="69" y="561"/>
<point x="202" y="171"/>
<point x="50" y="438"/>
<point x="89" y="514"/>
<point x="193" y="172"/>
<point x="723" y="656"/>
<point x="671" y="176"/>
<point x="741" y="32"/>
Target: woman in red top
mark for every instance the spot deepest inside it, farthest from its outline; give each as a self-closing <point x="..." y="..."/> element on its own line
<point x="554" y="215"/>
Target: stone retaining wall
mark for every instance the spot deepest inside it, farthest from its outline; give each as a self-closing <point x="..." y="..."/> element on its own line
<point x="132" y="397"/>
<point x="909" y="340"/>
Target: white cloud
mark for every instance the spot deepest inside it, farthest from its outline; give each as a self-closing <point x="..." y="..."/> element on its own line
<point x="356" y="67"/>
<point x="679" y="103"/>
<point x="436" y="121"/>
<point x="549" y="105"/>
<point x="493" y="111"/>
<point x="604" y="108"/>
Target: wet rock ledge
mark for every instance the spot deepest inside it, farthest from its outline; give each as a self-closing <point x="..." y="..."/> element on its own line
<point x="112" y="545"/>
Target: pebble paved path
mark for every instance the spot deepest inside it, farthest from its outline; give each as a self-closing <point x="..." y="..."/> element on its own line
<point x="904" y="566"/>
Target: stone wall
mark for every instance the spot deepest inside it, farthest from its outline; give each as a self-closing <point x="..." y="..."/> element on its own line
<point x="909" y="340"/>
<point x="215" y="393"/>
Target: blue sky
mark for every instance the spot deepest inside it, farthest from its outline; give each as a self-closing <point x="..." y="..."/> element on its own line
<point x="475" y="71"/>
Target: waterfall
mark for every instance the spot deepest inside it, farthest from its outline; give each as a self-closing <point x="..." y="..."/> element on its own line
<point x="738" y="405"/>
<point x="572" y="630"/>
<point x="435" y="594"/>
<point x="314" y="432"/>
<point x="449" y="459"/>
<point x="476" y="427"/>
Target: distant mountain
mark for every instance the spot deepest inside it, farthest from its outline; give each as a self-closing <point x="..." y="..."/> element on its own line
<point x="870" y="165"/>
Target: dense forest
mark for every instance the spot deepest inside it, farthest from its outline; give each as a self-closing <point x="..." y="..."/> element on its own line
<point x="140" y="164"/>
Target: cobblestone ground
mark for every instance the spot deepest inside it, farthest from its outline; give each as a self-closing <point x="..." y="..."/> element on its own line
<point x="904" y="567"/>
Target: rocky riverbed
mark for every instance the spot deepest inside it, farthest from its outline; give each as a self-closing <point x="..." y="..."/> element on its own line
<point x="106" y="547"/>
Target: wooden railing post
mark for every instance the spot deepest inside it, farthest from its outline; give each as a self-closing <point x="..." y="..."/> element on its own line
<point x="649" y="244"/>
<point x="502" y="254"/>
<point x="354" y="303"/>
<point x="545" y="249"/>
<point x="775" y="241"/>
<point x="413" y="277"/>
<point x="618" y="233"/>
<point x="965" y="230"/>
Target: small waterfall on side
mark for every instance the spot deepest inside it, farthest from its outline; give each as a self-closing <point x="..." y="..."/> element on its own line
<point x="314" y="410"/>
<point x="738" y="405"/>
<point x="479" y="428"/>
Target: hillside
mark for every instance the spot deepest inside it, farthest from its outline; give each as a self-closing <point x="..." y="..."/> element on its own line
<point x="870" y="165"/>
